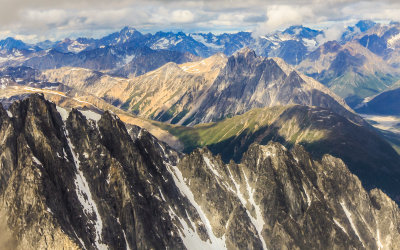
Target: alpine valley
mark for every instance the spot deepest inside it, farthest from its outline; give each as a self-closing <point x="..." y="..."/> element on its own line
<point x="167" y="140"/>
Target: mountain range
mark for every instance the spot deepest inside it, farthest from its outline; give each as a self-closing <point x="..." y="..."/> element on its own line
<point x="362" y="62"/>
<point x="206" y="90"/>
<point x="202" y="141"/>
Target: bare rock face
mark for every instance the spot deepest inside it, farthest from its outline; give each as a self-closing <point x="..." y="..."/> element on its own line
<point x="248" y="81"/>
<point x="292" y="201"/>
<point x="67" y="185"/>
<point x="73" y="183"/>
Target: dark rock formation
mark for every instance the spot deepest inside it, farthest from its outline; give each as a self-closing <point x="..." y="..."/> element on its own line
<point x="78" y="183"/>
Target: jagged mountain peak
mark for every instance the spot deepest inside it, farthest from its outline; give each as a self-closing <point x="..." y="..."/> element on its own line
<point x="365" y="25"/>
<point x="248" y="81"/>
<point x="128" y="30"/>
<point x="301" y="32"/>
<point x="182" y="93"/>
<point x="125" y="35"/>
<point x="11" y="43"/>
<point x="245" y="52"/>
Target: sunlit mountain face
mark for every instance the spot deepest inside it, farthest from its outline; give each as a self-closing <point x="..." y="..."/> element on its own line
<point x="199" y="125"/>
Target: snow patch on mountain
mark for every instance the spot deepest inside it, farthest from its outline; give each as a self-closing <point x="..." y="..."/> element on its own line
<point x="89" y="114"/>
<point x="258" y="222"/>
<point x="164" y="43"/>
<point x="85" y="197"/>
<point x="211" y="166"/>
<point x="77" y="47"/>
<point x="199" y="38"/>
<point x="393" y="42"/>
<point x="216" y="243"/>
<point x="63" y="112"/>
<point x="349" y="216"/>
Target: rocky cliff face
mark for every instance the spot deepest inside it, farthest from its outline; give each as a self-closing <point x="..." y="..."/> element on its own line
<point x="70" y="182"/>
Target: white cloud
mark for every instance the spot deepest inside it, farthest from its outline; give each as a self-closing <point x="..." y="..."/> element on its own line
<point x="182" y="16"/>
<point x="331" y="33"/>
<point x="57" y="19"/>
<point x="26" y="37"/>
<point x="279" y="16"/>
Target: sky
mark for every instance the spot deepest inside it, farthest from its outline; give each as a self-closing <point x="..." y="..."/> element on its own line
<point x="38" y="20"/>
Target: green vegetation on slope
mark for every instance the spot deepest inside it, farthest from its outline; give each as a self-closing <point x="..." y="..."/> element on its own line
<point x="320" y="131"/>
<point x="212" y="133"/>
<point x="354" y="86"/>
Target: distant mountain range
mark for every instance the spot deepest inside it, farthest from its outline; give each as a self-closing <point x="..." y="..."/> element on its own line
<point x="362" y="62"/>
<point x="291" y="44"/>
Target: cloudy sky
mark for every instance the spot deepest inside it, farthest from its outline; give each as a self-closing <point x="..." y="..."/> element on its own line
<point x="33" y="20"/>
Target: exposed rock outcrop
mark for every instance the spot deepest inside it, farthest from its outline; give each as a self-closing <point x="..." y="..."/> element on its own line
<point x="77" y="183"/>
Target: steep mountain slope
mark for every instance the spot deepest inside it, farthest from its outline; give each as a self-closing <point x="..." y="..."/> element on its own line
<point x="227" y="43"/>
<point x="383" y="40"/>
<point x="293" y="44"/>
<point x="81" y="79"/>
<point x="74" y="183"/>
<point x="10" y="43"/>
<point x="350" y="70"/>
<point x="320" y="131"/>
<point x="353" y="32"/>
<point x="386" y="103"/>
<point x="172" y="91"/>
<point x="248" y="81"/>
<point x="177" y="42"/>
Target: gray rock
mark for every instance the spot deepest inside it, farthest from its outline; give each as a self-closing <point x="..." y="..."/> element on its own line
<point x="79" y="183"/>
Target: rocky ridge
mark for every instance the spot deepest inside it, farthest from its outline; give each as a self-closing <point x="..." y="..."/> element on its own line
<point x="249" y="81"/>
<point x="70" y="182"/>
